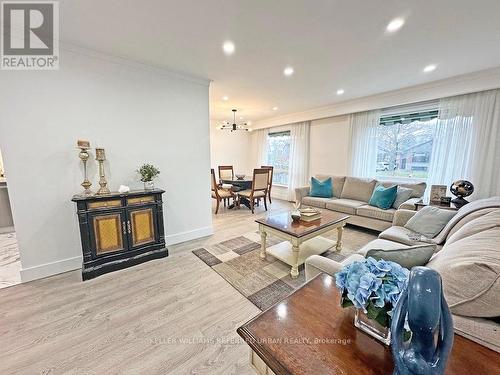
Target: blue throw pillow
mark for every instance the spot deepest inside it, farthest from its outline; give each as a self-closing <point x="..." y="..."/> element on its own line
<point x="383" y="197"/>
<point x="321" y="189"/>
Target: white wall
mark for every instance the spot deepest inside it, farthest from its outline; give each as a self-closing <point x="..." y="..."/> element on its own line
<point x="138" y="114"/>
<point x="228" y="148"/>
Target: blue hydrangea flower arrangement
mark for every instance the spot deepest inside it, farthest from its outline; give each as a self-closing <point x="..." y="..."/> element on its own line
<point x="373" y="286"/>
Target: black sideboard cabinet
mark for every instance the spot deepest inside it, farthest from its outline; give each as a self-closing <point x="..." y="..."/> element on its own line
<point x="120" y="230"/>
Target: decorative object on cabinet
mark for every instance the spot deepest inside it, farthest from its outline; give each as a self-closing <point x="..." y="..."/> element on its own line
<point x="100" y="156"/>
<point x="437" y="192"/>
<point x="123" y="189"/>
<point x="148" y="172"/>
<point x="425" y="309"/>
<point x="461" y="189"/>
<point x="120" y="230"/>
<point x="373" y="287"/>
<point x="84" y="146"/>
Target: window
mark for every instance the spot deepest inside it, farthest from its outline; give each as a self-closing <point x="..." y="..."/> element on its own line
<point x="404" y="144"/>
<point x="278" y="152"/>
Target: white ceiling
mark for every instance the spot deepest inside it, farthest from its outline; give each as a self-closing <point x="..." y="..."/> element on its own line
<point x="330" y="44"/>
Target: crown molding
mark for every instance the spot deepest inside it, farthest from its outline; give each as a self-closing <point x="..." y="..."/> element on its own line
<point x="140" y="65"/>
<point x="463" y="84"/>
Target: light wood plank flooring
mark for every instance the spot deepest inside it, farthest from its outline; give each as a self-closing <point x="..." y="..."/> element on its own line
<point x="169" y="316"/>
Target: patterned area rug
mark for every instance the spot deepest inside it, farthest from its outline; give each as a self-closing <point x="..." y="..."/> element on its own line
<point x="265" y="282"/>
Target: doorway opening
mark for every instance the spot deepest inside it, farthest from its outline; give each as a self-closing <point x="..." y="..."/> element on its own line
<point x="10" y="262"/>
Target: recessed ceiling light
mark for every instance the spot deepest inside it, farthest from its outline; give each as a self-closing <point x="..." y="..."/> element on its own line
<point x="241" y="117"/>
<point x="228" y="47"/>
<point x="429" y="68"/>
<point x="225" y="98"/>
<point x="340" y="91"/>
<point x="288" y="71"/>
<point x="275" y="108"/>
<point x="395" y="25"/>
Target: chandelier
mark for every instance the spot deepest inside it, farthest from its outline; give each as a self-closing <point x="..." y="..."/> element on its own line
<point x="234" y="127"/>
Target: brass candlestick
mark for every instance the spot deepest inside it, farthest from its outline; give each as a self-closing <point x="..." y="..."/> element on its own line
<point x="100" y="156"/>
<point x="84" y="156"/>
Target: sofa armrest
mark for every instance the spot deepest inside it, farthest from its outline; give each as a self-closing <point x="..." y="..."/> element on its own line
<point x="317" y="264"/>
<point x="409" y="204"/>
<point x="301" y="192"/>
<point x="401" y="217"/>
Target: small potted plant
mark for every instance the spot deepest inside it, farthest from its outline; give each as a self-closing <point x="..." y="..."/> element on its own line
<point x="148" y="172"/>
<point x="373" y="288"/>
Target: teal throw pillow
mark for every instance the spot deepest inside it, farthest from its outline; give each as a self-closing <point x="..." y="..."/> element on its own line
<point x="321" y="189"/>
<point x="383" y="197"/>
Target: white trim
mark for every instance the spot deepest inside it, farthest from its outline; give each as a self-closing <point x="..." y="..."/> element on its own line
<point x="73" y="48"/>
<point x="458" y="85"/>
<point x="4" y="230"/>
<point x="50" y="269"/>
<point x="189" y="235"/>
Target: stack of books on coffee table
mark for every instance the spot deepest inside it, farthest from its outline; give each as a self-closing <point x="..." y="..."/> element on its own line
<point x="309" y="214"/>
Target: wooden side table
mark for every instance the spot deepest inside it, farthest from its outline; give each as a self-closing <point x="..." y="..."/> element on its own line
<point x="426" y="202"/>
<point x="309" y="333"/>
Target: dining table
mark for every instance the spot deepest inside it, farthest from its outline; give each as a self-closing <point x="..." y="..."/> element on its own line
<point x="239" y="184"/>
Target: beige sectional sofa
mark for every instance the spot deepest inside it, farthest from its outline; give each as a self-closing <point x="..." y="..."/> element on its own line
<point x="351" y="196"/>
<point x="467" y="258"/>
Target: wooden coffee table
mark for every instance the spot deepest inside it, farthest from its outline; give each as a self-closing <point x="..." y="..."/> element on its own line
<point x="309" y="333"/>
<point x="303" y="238"/>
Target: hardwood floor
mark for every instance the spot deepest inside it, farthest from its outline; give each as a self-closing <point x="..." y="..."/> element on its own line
<point x="169" y="316"/>
<point x="10" y="264"/>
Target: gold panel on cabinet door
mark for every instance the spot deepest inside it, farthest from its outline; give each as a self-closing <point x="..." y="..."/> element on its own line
<point x="108" y="235"/>
<point x="142" y="226"/>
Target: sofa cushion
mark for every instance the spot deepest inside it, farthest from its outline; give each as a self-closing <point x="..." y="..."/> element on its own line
<point x="408" y="257"/>
<point x="347" y="206"/>
<point x="383" y="197"/>
<point x="337" y="183"/>
<point x="402" y="196"/>
<point x="359" y="189"/>
<point x="379" y="244"/>
<point x="316" y="201"/>
<point x="376" y="213"/>
<point x="485" y="222"/>
<point x="321" y="188"/>
<point x="418" y="188"/>
<point x="400" y="235"/>
<point x="470" y="270"/>
<point x="429" y="221"/>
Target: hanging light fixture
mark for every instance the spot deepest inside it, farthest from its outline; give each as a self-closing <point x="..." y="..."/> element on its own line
<point x="234" y="127"/>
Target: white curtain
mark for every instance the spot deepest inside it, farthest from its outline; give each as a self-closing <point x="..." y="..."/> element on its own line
<point x="259" y="146"/>
<point x="298" y="163"/>
<point x="467" y="143"/>
<point x="363" y="143"/>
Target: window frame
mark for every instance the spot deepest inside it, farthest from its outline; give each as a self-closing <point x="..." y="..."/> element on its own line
<point x="405" y="116"/>
<point x="275" y="170"/>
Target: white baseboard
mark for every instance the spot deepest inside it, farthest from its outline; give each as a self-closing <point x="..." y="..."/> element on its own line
<point x="4" y="230"/>
<point x="50" y="269"/>
<point x="188" y="235"/>
<point x="70" y="264"/>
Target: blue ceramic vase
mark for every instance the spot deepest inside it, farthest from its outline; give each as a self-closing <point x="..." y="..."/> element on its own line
<point x="430" y="323"/>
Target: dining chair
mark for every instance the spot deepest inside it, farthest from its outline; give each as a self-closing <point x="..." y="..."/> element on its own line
<point x="218" y="193"/>
<point x="226" y="172"/>
<point x="271" y="171"/>
<point x="259" y="188"/>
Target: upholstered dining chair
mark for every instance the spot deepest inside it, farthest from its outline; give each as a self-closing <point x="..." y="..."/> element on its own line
<point x="270" y="184"/>
<point x="218" y="193"/>
<point x="226" y="172"/>
<point x="259" y="188"/>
